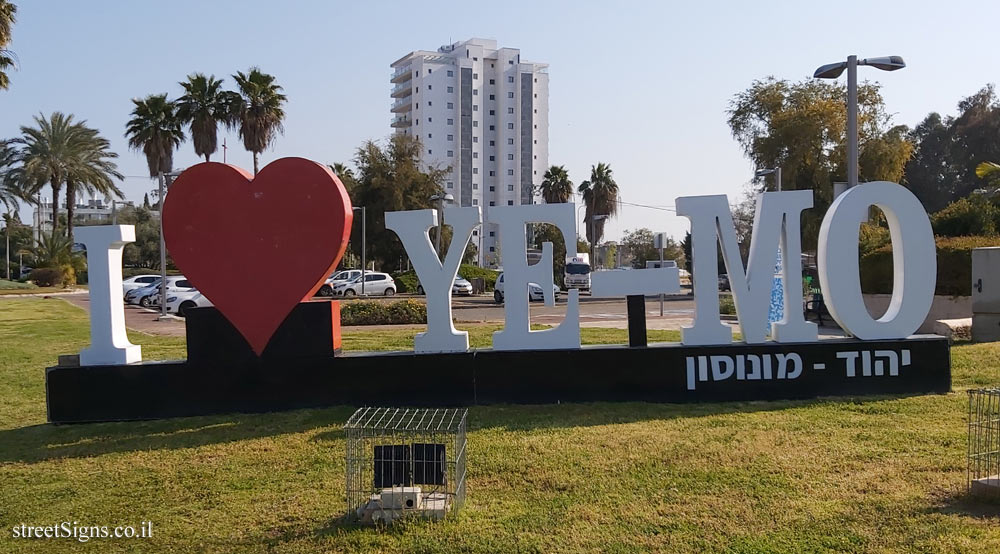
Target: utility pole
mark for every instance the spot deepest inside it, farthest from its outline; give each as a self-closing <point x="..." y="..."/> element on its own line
<point x="224" y="148"/>
<point x="364" y="240"/>
<point x="8" y="244"/>
<point x="164" y="185"/>
<point x="852" y="121"/>
<point x="163" y="253"/>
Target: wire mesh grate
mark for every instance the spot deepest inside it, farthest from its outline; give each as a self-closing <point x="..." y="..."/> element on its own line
<point x="405" y="461"/>
<point x="984" y="442"/>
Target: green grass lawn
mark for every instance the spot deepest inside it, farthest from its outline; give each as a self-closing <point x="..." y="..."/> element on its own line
<point x="8" y="288"/>
<point x="837" y="474"/>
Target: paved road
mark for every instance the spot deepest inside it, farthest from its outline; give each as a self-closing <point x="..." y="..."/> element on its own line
<point x="482" y="309"/>
<point x="677" y="311"/>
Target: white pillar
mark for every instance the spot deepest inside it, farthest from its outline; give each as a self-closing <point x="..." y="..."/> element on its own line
<point x="109" y="343"/>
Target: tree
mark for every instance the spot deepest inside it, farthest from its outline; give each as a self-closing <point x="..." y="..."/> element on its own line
<point x="686" y="248"/>
<point x="144" y="252"/>
<point x="56" y="251"/>
<point x="949" y="151"/>
<point x="56" y="152"/>
<point x="155" y="129"/>
<point x="390" y="179"/>
<point x="260" y="111"/>
<point x="145" y="200"/>
<point x="546" y="232"/>
<point x="930" y="172"/>
<point x="345" y="174"/>
<point x="10" y="189"/>
<point x="600" y="195"/>
<point x="801" y="127"/>
<point x="640" y="246"/>
<point x="989" y="172"/>
<point x="7" y="20"/>
<point x="556" y="188"/>
<point x="975" y="133"/>
<point x="203" y="107"/>
<point x="92" y="170"/>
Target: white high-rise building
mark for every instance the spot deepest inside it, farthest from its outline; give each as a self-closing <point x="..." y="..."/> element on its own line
<point x="482" y="112"/>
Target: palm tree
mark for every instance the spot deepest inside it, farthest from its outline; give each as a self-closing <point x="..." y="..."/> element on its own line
<point x="342" y="171"/>
<point x="556" y="188"/>
<point x="203" y="107"/>
<point x="48" y="154"/>
<point x="600" y="195"/>
<point x="260" y="111"/>
<point x="7" y="19"/>
<point x="92" y="170"/>
<point x="988" y="171"/>
<point x="10" y="189"/>
<point x="156" y="130"/>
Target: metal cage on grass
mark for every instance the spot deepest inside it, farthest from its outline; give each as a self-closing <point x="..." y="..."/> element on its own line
<point x="405" y="461"/>
<point x="984" y="442"/>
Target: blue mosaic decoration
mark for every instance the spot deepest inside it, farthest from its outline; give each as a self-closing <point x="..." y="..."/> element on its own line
<point x="777" y="309"/>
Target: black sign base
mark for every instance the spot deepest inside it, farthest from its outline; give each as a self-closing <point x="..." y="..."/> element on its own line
<point x="656" y="373"/>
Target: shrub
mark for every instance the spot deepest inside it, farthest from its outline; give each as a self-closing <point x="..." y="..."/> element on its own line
<point x="471" y="272"/>
<point x="15" y="285"/>
<point x="954" y="266"/>
<point x="726" y="304"/>
<point x="871" y="237"/>
<point x="407" y="281"/>
<point x="46" y="276"/>
<point x="374" y="312"/>
<point x="974" y="215"/>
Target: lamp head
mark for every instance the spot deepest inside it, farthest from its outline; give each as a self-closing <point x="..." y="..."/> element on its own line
<point x="830" y="70"/>
<point x="885" y="63"/>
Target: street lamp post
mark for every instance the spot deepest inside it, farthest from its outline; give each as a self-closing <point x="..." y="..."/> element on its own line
<point x="440" y="199"/>
<point x="164" y="185"/>
<point x="364" y="241"/>
<point x="9" y="219"/>
<point x="832" y="71"/>
<point x="593" y="237"/>
<point x="777" y="176"/>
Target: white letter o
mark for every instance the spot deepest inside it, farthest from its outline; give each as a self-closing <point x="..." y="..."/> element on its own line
<point x="914" y="261"/>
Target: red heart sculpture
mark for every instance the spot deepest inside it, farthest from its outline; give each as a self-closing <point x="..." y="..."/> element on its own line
<point x="256" y="247"/>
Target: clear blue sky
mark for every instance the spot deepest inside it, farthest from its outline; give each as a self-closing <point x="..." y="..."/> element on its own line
<point x="641" y="85"/>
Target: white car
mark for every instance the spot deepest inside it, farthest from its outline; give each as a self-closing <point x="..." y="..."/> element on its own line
<point x="535" y="291"/>
<point x="133" y="296"/>
<point x="148" y="297"/>
<point x="376" y="283"/>
<point x="338" y="278"/>
<point x="461" y="286"/>
<point x="181" y="301"/>
<point x="138" y="282"/>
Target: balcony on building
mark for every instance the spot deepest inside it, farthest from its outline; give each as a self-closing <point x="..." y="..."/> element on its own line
<point x="402" y="90"/>
<point x="402" y="74"/>
<point x="401" y="122"/>
<point x="401" y="105"/>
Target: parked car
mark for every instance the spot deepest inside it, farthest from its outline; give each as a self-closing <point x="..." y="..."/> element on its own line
<point x="181" y="301"/>
<point x="535" y="291"/>
<point x="724" y="282"/>
<point x="338" y="278"/>
<point x="461" y="286"/>
<point x="138" y="282"/>
<point x="133" y="296"/>
<point x="149" y="296"/>
<point x="376" y="283"/>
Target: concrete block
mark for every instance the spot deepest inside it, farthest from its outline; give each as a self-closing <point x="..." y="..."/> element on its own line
<point x="954" y="329"/>
<point x="986" y="327"/>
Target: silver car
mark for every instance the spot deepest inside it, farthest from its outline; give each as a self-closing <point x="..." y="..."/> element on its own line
<point x="376" y="283"/>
